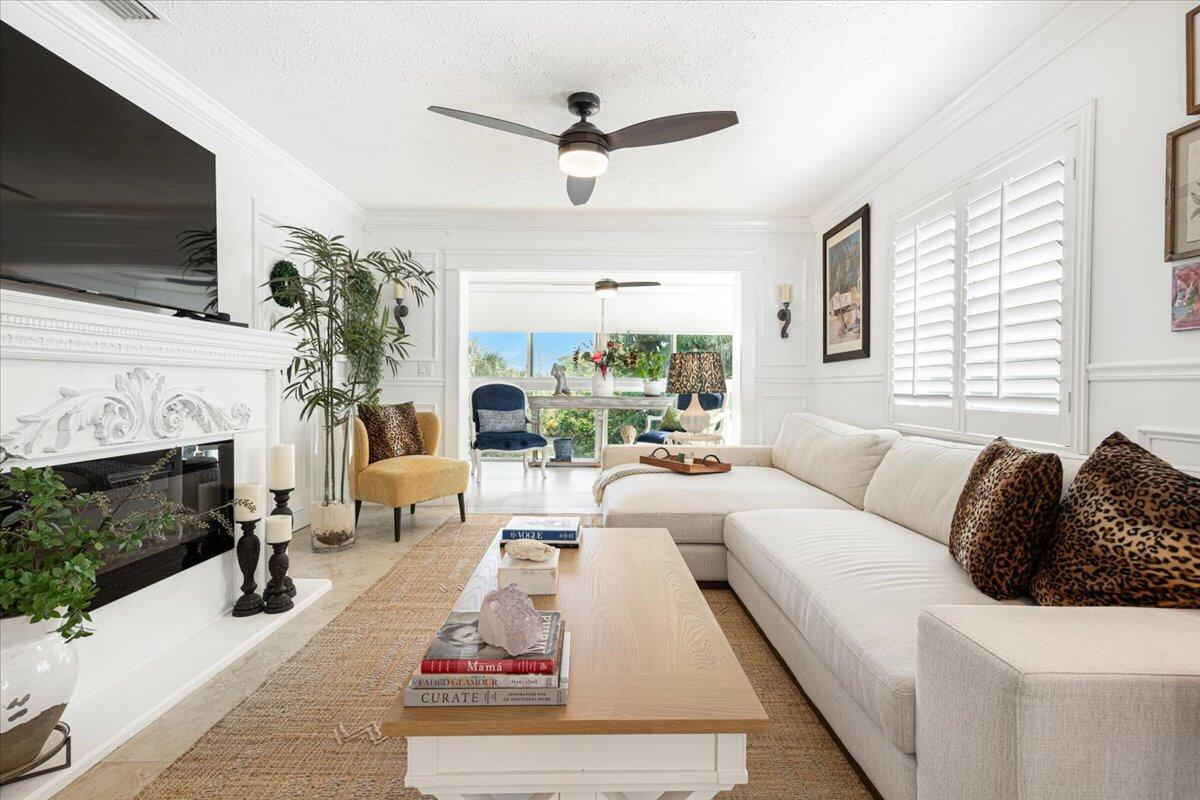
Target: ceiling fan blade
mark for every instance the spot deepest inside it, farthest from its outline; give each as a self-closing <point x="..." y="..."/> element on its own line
<point x="498" y="124"/>
<point x="626" y="284"/>
<point x="580" y="189"/>
<point x="671" y="129"/>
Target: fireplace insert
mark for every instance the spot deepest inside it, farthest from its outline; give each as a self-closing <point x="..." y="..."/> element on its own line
<point x="199" y="477"/>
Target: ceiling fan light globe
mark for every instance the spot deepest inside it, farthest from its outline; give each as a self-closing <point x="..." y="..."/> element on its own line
<point x="582" y="160"/>
<point x="607" y="292"/>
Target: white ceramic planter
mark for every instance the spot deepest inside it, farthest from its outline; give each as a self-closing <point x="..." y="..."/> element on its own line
<point x="602" y="385"/>
<point x="654" y="388"/>
<point x="38" y="673"/>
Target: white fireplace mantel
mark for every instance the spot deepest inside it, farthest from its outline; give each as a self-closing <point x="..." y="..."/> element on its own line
<point x="81" y="380"/>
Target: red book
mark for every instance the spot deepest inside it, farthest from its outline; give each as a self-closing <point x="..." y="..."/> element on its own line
<point x="457" y="648"/>
<point x="540" y="666"/>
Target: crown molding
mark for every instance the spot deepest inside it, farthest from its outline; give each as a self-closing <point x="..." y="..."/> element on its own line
<point x="1071" y="25"/>
<point x="567" y="220"/>
<point x="91" y="29"/>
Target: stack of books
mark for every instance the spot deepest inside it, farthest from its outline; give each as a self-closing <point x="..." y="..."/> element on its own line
<point x="556" y="531"/>
<point x="460" y="669"/>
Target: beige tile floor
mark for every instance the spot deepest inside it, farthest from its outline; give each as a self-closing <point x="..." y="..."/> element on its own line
<point x="506" y="488"/>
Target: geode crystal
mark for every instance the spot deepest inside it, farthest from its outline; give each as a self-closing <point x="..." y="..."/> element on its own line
<point x="529" y="550"/>
<point x="508" y="620"/>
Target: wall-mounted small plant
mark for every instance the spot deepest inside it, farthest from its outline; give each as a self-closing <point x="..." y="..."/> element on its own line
<point x="283" y="283"/>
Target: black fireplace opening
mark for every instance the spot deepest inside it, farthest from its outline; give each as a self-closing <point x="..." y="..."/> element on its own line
<point x="198" y="477"/>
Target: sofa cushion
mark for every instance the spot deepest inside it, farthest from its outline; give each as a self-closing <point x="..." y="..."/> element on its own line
<point x="693" y="507"/>
<point x="1004" y="516"/>
<point x="1128" y="534"/>
<point x="854" y="584"/>
<point x="918" y="483"/>
<point x="830" y="455"/>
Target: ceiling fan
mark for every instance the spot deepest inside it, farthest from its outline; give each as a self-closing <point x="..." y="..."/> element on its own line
<point x="607" y="287"/>
<point x="583" y="148"/>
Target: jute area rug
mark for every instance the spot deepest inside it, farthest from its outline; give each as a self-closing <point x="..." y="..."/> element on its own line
<point x="311" y="730"/>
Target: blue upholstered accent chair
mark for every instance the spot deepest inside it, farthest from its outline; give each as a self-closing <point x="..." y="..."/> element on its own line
<point x="502" y="397"/>
<point x="709" y="401"/>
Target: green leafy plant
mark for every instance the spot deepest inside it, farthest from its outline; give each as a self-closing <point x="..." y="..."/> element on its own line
<point x="652" y="364"/>
<point x="336" y="316"/>
<point x="282" y="283"/>
<point x="52" y="541"/>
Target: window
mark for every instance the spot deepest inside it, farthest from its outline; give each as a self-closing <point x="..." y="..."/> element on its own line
<point x="981" y="285"/>
<point x="557" y="348"/>
<point x="498" y="355"/>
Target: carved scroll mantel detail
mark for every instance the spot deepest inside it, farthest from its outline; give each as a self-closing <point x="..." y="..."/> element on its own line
<point x="140" y="407"/>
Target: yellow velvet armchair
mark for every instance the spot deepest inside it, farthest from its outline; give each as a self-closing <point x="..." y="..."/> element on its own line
<point x="407" y="480"/>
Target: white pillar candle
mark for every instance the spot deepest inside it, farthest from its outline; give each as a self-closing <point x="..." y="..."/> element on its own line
<point x="785" y="293"/>
<point x="398" y="290"/>
<point x="281" y="467"/>
<point x="247" y="511"/>
<point x="279" y="528"/>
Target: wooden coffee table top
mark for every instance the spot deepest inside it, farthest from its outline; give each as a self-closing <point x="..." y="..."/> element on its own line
<point x="647" y="655"/>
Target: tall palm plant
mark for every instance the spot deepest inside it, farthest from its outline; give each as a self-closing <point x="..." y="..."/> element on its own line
<point x="337" y="316"/>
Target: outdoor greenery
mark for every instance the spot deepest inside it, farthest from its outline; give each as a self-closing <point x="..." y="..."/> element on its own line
<point x="489" y="363"/>
<point x="52" y="540"/>
<point x="337" y="315"/>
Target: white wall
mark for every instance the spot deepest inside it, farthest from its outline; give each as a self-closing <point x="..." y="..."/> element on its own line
<point x="258" y="185"/>
<point x="1141" y="375"/>
<point x="459" y="246"/>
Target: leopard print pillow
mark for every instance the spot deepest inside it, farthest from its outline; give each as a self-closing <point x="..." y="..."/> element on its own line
<point x="1128" y="534"/>
<point x="1004" y="515"/>
<point x="392" y="431"/>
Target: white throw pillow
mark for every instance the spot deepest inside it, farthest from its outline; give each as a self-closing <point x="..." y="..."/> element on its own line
<point x="830" y="455"/>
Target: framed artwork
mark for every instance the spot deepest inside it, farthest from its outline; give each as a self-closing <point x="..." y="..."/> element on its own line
<point x="1193" y="77"/>
<point x="846" y="288"/>
<point x="1185" y="297"/>
<point x="1183" y="193"/>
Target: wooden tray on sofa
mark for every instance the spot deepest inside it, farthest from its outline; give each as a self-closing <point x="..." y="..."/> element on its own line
<point x="687" y="467"/>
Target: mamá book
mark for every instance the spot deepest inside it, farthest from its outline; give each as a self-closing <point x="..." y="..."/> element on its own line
<point x="459" y="648"/>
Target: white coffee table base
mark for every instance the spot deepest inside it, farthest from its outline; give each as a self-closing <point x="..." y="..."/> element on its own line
<point x="613" y="767"/>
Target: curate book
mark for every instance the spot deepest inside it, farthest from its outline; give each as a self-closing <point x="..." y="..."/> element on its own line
<point x="558" y="531"/>
<point x="499" y="696"/>
<point x="458" y="648"/>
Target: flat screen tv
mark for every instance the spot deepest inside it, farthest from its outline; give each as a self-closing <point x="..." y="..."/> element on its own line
<point x="96" y="194"/>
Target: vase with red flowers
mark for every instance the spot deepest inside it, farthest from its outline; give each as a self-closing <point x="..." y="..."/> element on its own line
<point x="604" y="360"/>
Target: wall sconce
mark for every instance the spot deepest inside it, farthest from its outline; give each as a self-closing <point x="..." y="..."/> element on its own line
<point x="401" y="310"/>
<point x="785" y="313"/>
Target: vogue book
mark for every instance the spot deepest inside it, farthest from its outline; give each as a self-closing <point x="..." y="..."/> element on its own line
<point x="558" y="531"/>
<point x="458" y="648"/>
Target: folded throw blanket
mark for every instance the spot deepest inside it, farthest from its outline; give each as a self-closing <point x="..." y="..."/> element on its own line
<point x="620" y="471"/>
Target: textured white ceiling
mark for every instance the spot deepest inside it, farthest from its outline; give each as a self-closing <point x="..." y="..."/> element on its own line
<point x="822" y="89"/>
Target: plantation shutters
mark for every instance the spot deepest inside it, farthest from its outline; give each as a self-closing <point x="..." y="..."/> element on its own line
<point x="1012" y="351"/>
<point x="924" y="250"/>
<point x="980" y="302"/>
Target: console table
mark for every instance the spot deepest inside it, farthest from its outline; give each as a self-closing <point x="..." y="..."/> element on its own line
<point x="600" y="405"/>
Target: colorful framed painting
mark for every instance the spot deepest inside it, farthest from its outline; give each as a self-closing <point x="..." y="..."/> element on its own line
<point x="1185" y="297"/>
<point x="1183" y="193"/>
<point x="846" y="288"/>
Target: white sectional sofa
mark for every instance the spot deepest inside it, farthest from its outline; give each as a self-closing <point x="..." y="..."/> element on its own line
<point x="835" y="539"/>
